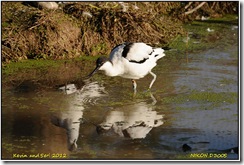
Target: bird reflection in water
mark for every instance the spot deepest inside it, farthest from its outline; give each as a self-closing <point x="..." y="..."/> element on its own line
<point x="71" y="118"/>
<point x="132" y="121"/>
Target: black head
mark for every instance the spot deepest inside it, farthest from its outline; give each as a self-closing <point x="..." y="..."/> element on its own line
<point x="100" y="61"/>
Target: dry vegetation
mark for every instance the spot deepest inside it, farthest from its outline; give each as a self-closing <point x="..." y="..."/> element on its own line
<point x="92" y="28"/>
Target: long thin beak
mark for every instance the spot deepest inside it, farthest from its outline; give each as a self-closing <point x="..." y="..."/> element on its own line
<point x="93" y="72"/>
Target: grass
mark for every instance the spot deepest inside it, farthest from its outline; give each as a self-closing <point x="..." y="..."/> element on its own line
<point x="227" y="81"/>
<point x="200" y="39"/>
<point x="15" y="67"/>
<point x="66" y="33"/>
<point x="207" y="100"/>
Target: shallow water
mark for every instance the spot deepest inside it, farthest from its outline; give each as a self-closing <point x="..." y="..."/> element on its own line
<point x="191" y="113"/>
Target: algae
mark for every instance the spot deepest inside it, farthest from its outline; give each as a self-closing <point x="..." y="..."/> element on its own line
<point x="206" y="100"/>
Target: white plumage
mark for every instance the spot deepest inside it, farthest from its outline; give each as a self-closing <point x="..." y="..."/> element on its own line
<point x="130" y="60"/>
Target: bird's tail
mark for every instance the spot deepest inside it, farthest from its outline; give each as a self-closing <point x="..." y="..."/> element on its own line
<point x="158" y="53"/>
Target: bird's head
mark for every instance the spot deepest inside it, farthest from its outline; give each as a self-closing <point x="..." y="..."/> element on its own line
<point x="99" y="63"/>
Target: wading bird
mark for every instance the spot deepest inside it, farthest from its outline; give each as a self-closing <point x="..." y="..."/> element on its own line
<point x="130" y="60"/>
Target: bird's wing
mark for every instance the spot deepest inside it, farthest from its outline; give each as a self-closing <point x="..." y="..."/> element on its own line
<point x="116" y="52"/>
<point x="137" y="52"/>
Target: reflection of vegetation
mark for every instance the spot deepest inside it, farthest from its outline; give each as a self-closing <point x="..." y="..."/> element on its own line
<point x="21" y="146"/>
<point x="8" y="147"/>
<point x="24" y="107"/>
<point x="86" y="152"/>
<point x="47" y="71"/>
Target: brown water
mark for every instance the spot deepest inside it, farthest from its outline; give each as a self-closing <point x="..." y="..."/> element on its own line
<point x="191" y="113"/>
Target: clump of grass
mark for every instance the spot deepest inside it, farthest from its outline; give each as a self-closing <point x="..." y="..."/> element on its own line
<point x="197" y="38"/>
<point x="203" y="97"/>
<point x="110" y="25"/>
<point x="30" y="33"/>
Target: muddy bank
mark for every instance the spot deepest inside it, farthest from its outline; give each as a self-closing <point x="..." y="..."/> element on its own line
<point x="92" y="28"/>
<point x="79" y="29"/>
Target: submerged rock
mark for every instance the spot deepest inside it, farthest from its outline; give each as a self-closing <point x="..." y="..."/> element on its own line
<point x="186" y="147"/>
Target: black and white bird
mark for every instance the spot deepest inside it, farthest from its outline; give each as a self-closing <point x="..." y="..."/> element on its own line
<point x="130" y="60"/>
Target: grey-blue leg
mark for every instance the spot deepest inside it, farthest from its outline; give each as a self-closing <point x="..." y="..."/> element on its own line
<point x="154" y="78"/>
<point x="134" y="85"/>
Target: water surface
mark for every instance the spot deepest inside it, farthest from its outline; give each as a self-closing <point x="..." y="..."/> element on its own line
<point x="192" y="109"/>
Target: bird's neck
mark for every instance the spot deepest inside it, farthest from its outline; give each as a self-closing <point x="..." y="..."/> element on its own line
<point x="109" y="69"/>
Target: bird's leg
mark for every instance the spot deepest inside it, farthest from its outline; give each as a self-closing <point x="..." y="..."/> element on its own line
<point x="134" y="85"/>
<point x="153" y="99"/>
<point x="154" y="78"/>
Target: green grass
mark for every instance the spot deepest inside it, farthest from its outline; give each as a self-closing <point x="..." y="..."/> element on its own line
<point x="14" y="67"/>
<point x="203" y="97"/>
<point x="39" y="64"/>
<point x="201" y="39"/>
